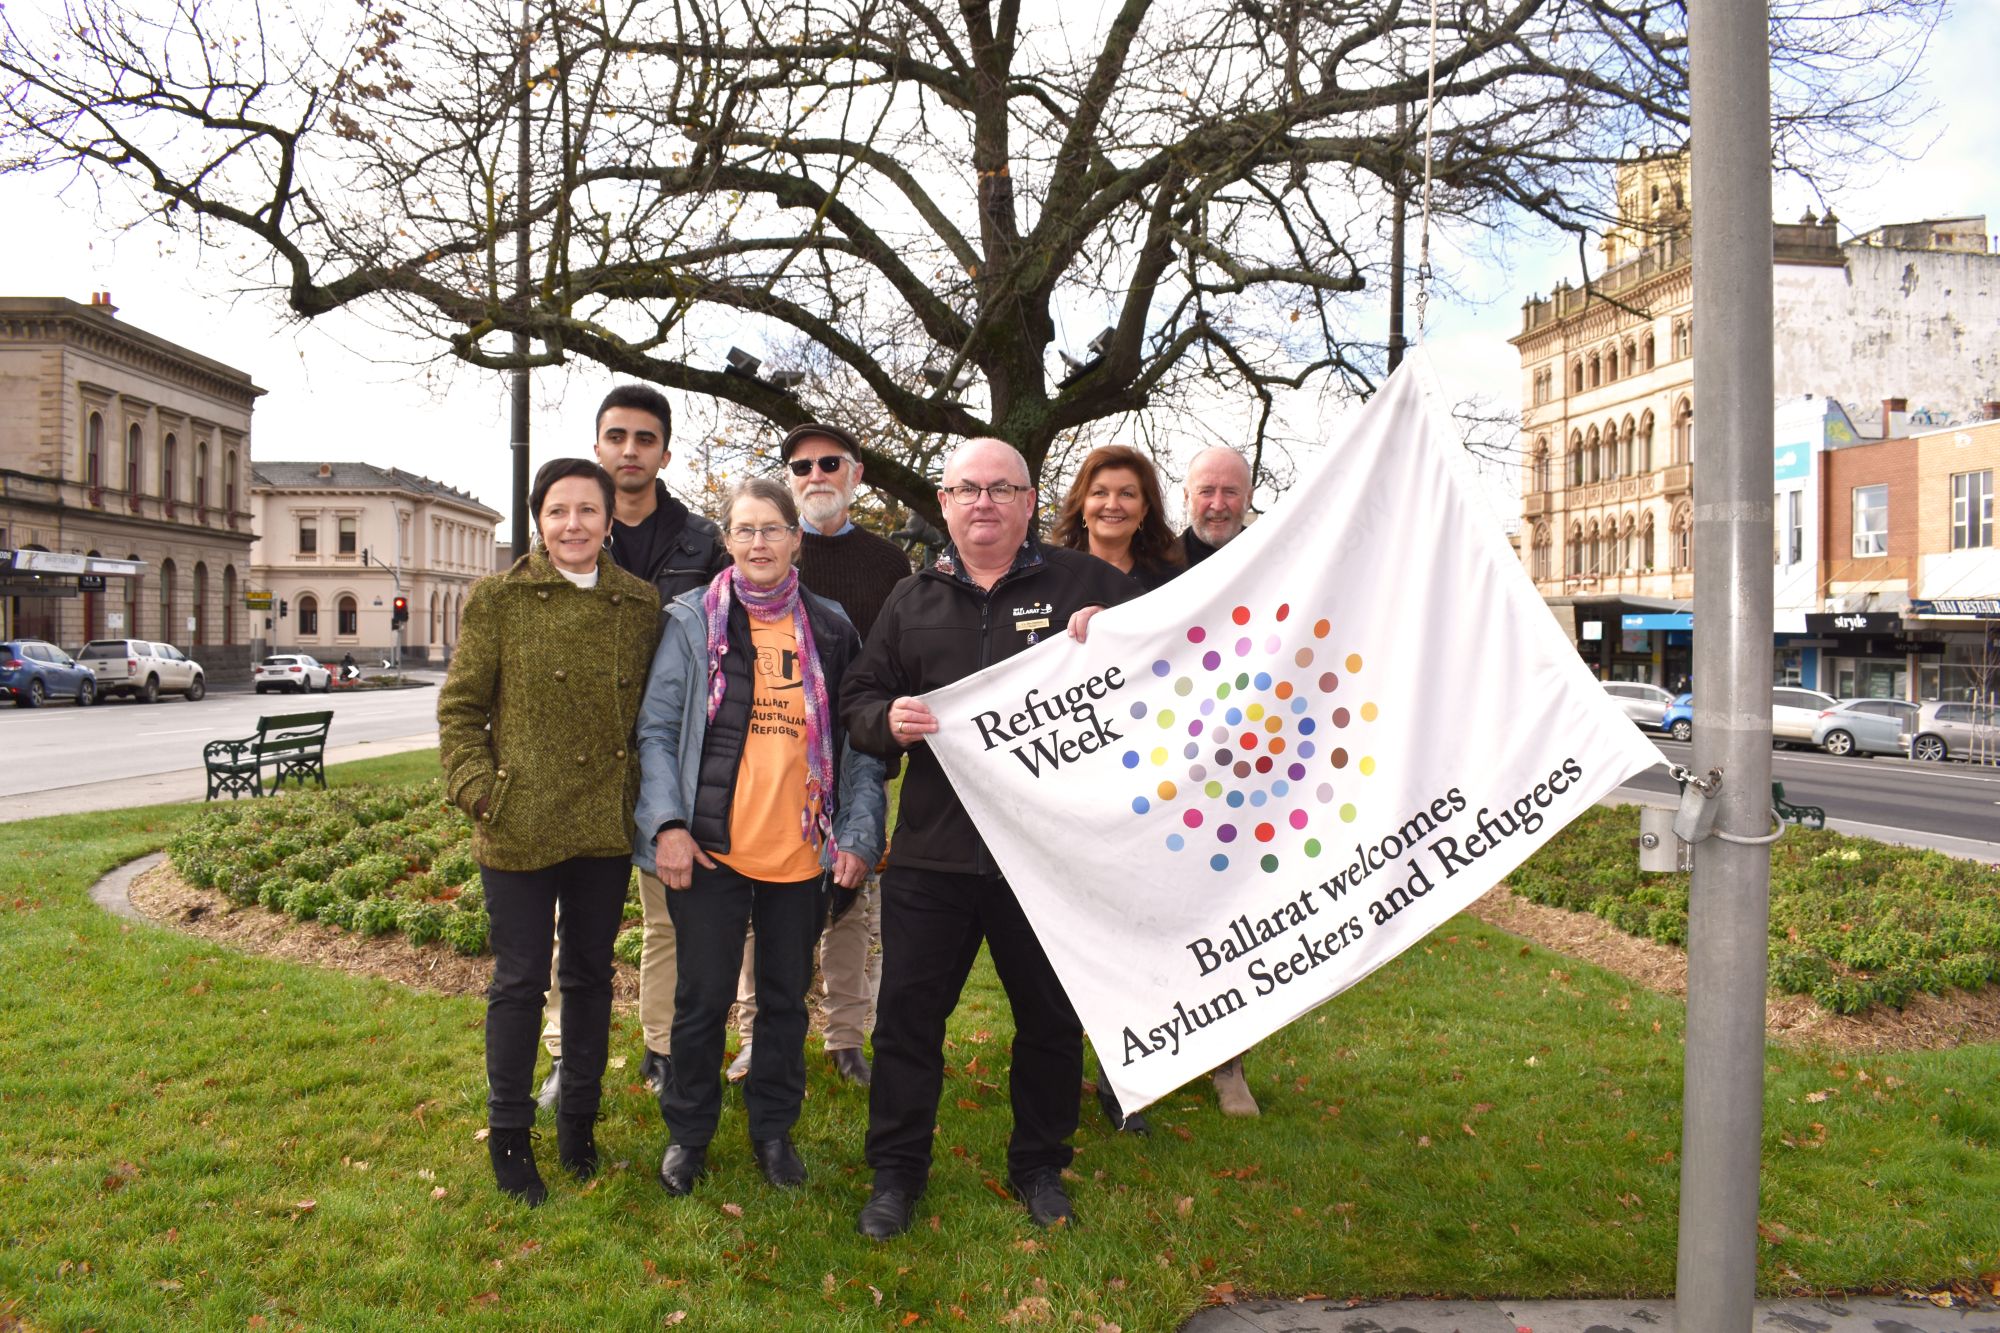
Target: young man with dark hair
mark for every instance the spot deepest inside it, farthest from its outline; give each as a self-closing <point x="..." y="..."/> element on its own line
<point x="658" y="538"/>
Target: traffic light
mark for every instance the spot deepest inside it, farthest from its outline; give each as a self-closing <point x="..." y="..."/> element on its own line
<point x="401" y="615"/>
<point x="284" y="608"/>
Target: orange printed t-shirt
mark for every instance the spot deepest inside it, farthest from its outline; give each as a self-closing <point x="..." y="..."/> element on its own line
<point x="765" y="839"/>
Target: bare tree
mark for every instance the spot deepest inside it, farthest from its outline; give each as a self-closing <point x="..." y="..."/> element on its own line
<point x="904" y="186"/>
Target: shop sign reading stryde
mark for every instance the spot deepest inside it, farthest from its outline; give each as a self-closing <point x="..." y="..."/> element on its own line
<point x="1253" y="787"/>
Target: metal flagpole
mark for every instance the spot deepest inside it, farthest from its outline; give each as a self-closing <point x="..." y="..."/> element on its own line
<point x="1729" y="894"/>
<point x="522" y="540"/>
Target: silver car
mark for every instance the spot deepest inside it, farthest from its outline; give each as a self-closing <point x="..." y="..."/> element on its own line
<point x="1644" y="704"/>
<point x="1955" y="731"/>
<point x="1864" y="726"/>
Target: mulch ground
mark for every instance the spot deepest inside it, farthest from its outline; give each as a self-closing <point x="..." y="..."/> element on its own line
<point x="1928" y="1022"/>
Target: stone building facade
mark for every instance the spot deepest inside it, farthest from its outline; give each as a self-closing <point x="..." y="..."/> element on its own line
<point x="1609" y="405"/>
<point x="337" y="543"/>
<point x="128" y="453"/>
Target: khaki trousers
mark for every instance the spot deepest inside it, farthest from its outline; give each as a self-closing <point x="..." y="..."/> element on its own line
<point x="850" y="966"/>
<point x="658" y="974"/>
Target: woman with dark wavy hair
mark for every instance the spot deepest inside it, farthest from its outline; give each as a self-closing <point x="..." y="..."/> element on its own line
<point x="1114" y="510"/>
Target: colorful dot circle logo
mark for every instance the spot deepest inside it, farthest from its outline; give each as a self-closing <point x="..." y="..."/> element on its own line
<point x="1254" y="735"/>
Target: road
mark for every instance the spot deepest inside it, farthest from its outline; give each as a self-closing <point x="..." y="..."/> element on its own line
<point x="60" y="745"/>
<point x="1951" y="800"/>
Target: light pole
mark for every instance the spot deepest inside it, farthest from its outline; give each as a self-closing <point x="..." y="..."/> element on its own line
<point x="396" y="574"/>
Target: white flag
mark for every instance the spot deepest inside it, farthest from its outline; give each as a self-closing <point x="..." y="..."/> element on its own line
<point x="1255" y="786"/>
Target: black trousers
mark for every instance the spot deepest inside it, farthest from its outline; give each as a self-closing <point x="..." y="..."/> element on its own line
<point x="709" y="919"/>
<point x="932" y="923"/>
<point x="521" y="907"/>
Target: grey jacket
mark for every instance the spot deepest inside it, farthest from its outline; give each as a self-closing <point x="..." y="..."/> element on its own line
<point x="673" y="726"/>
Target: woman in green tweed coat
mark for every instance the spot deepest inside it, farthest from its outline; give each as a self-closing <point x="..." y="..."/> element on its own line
<point x="535" y="727"/>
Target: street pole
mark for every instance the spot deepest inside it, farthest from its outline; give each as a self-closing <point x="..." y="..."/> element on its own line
<point x="1729" y="897"/>
<point x="521" y="345"/>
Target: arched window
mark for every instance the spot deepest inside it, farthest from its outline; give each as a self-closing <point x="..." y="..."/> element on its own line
<point x="1610" y="365"/>
<point x="1683" y="338"/>
<point x="1680" y="545"/>
<point x="1540" y="565"/>
<point x="1646" y="442"/>
<point x="1683" y="442"/>
<point x="93" y="612"/>
<point x="168" y="626"/>
<point x="134" y="449"/>
<point x="229" y="487"/>
<point x="434" y="621"/>
<point x="1576" y="458"/>
<point x="1646" y="352"/>
<point x="1594" y="551"/>
<point x="348" y="625"/>
<point x="1576" y="376"/>
<point x="1631" y="357"/>
<point x="200" y="603"/>
<point x="1538" y="477"/>
<point x="229" y="604"/>
<point x="308" y="616"/>
<point x="1609" y="446"/>
<point x="201" y="481"/>
<point x="1596" y="370"/>
<point x="1590" y="456"/>
<point x="1573" y="556"/>
<point x="131" y="599"/>
<point x="169" y="447"/>
<point x="1628" y="448"/>
<point x="93" y="458"/>
<point x="1628" y="546"/>
<point x="1646" y="562"/>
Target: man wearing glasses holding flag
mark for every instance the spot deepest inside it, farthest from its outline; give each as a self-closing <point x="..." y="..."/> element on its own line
<point x="993" y="592"/>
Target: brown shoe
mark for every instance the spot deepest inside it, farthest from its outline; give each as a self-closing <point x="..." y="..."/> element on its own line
<point x="1232" y="1090"/>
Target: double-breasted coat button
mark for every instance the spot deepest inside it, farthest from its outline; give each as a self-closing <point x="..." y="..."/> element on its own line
<point x="561" y="674"/>
<point x="583" y="759"/>
<point x="621" y="754"/>
<point x="542" y="593"/>
<point x="501" y="774"/>
<point x="624" y="681"/>
<point x="617" y="597"/>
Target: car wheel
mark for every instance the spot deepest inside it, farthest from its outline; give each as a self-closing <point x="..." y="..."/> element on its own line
<point x="86" y="693"/>
<point x="196" y="690"/>
<point x="326" y="686"/>
<point x="150" y="691"/>
<point x="261" y="689"/>
<point x="35" y="694"/>
<point x="1682" y="730"/>
<point x="1838" y="743"/>
<point x="1930" y="749"/>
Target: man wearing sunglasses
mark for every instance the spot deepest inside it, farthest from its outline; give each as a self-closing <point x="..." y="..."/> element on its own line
<point x="992" y="593"/>
<point x="844" y="563"/>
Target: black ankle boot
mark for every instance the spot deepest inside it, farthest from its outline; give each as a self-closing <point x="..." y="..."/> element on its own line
<point x="513" y="1154"/>
<point x="576" y="1144"/>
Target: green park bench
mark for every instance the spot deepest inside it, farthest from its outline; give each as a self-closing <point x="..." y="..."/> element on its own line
<point x="1795" y="814"/>
<point x="291" y="745"/>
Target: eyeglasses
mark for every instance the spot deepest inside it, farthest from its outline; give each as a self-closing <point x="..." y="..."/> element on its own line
<point x="1000" y="492"/>
<point x="772" y="533"/>
<point x="802" y="467"/>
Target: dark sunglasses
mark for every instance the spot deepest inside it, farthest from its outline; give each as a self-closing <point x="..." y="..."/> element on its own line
<point x="802" y="467"/>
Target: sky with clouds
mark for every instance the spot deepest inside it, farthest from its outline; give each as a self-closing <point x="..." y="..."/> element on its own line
<point x="347" y="388"/>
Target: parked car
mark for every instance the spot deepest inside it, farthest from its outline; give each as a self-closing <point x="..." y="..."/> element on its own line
<point x="142" y="669"/>
<point x="1678" y="720"/>
<point x="296" y="672"/>
<point x="32" y="671"/>
<point x="1794" y="712"/>
<point x="1954" y="731"/>
<point x="1644" y="704"/>
<point x="1864" y="726"/>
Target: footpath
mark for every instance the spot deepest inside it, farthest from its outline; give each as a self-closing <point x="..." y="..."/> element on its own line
<point x="1867" y="1315"/>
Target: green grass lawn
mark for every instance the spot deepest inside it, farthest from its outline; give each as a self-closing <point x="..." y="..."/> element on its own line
<point x="191" y="1138"/>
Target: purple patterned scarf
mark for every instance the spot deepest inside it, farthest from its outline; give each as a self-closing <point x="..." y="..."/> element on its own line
<point x="786" y="599"/>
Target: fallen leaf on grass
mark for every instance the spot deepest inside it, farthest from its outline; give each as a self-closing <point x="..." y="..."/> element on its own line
<point x="425" y="1173"/>
<point x="996" y="1187"/>
<point x="1184" y="1206"/>
<point x="827" y="1285"/>
<point x="674" y="1318"/>
<point x="910" y="1317"/>
<point x="1775" y="1233"/>
<point x="1819" y="1096"/>
<point x="1034" y="1310"/>
<point x="305" y="1205"/>
<point x="479" y="1135"/>
<point x="733" y="1209"/>
<point x="616" y="1062"/>
<point x="1423" y="1140"/>
<point x="1222" y="1293"/>
<point x="167" y="1284"/>
<point x="967" y="1104"/>
<point x="876" y="1292"/>
<point x="439" y="1192"/>
<point x="487" y="1298"/>
<point x="258" y="1321"/>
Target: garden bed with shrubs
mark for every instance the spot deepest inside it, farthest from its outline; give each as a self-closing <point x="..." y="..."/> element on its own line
<point x="370" y="860"/>
<point x="1853" y="922"/>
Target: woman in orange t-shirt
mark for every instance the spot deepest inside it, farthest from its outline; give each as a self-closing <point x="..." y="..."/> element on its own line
<point x="750" y="799"/>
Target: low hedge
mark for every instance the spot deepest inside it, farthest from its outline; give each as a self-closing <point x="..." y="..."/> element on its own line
<point x="374" y="861"/>
<point x="1853" y="922"/>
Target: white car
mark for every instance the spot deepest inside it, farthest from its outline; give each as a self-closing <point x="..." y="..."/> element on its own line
<point x="142" y="669"/>
<point x="1644" y="704"/>
<point x="293" y="671"/>
<point x="1795" y="713"/>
